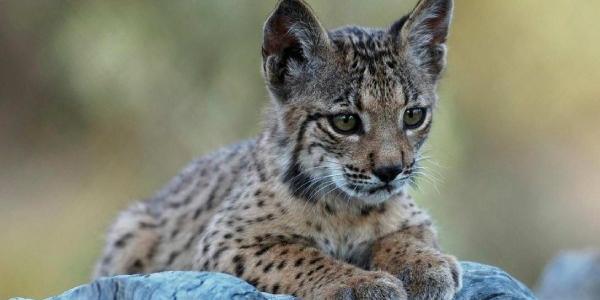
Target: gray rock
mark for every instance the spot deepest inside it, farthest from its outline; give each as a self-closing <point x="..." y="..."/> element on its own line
<point x="572" y="275"/>
<point x="168" y="285"/>
<point x="479" y="282"/>
<point x="486" y="282"/>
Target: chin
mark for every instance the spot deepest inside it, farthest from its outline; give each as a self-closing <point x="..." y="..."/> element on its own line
<point x="372" y="197"/>
<point x="375" y="198"/>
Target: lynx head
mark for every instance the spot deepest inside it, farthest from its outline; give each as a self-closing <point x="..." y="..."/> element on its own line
<point x="353" y="105"/>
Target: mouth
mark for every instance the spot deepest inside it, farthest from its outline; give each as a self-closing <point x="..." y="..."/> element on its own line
<point x="385" y="187"/>
<point x="374" y="194"/>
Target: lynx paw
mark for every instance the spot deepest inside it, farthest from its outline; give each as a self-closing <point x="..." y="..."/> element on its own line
<point x="374" y="285"/>
<point x="431" y="275"/>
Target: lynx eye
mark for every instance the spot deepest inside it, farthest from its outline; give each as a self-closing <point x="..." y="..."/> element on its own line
<point x="414" y="117"/>
<point x="345" y="123"/>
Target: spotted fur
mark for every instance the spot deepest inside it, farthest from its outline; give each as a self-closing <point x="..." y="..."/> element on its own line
<point x="304" y="209"/>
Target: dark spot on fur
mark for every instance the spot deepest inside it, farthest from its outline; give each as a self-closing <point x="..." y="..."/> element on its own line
<point x="145" y="225"/>
<point x="197" y="213"/>
<point x="315" y="260"/>
<point x="237" y="258"/>
<point x="120" y="243"/>
<point x="365" y="211"/>
<point x="329" y="209"/>
<point x="219" y="251"/>
<point x="253" y="281"/>
<point x="239" y="265"/>
<point x="262" y="250"/>
<point x="281" y="265"/>
<point x="268" y="267"/>
<point x="136" y="267"/>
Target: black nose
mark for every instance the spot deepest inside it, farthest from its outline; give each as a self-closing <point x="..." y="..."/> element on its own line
<point x="388" y="173"/>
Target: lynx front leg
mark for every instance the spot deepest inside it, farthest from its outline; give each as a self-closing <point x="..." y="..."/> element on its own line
<point x="412" y="255"/>
<point x="302" y="271"/>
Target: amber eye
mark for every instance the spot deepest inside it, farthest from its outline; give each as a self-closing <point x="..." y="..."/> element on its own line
<point x="414" y="117"/>
<point x="345" y="123"/>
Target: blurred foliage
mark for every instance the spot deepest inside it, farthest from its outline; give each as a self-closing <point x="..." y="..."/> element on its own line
<point x="101" y="102"/>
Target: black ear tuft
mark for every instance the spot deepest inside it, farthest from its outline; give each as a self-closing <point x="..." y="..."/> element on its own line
<point x="423" y="34"/>
<point x="398" y="25"/>
<point x="292" y="35"/>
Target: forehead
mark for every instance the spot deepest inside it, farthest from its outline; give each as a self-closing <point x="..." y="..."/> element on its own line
<point x="376" y="78"/>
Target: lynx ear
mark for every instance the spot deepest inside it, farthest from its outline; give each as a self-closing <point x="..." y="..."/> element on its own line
<point x="292" y="37"/>
<point x="423" y="34"/>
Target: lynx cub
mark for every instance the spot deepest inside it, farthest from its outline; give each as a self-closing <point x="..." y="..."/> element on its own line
<point x="316" y="205"/>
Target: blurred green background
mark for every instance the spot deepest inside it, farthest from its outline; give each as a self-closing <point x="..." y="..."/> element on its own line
<point x="101" y="102"/>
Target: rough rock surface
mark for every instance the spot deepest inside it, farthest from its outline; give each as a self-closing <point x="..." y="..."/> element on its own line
<point x="479" y="282"/>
